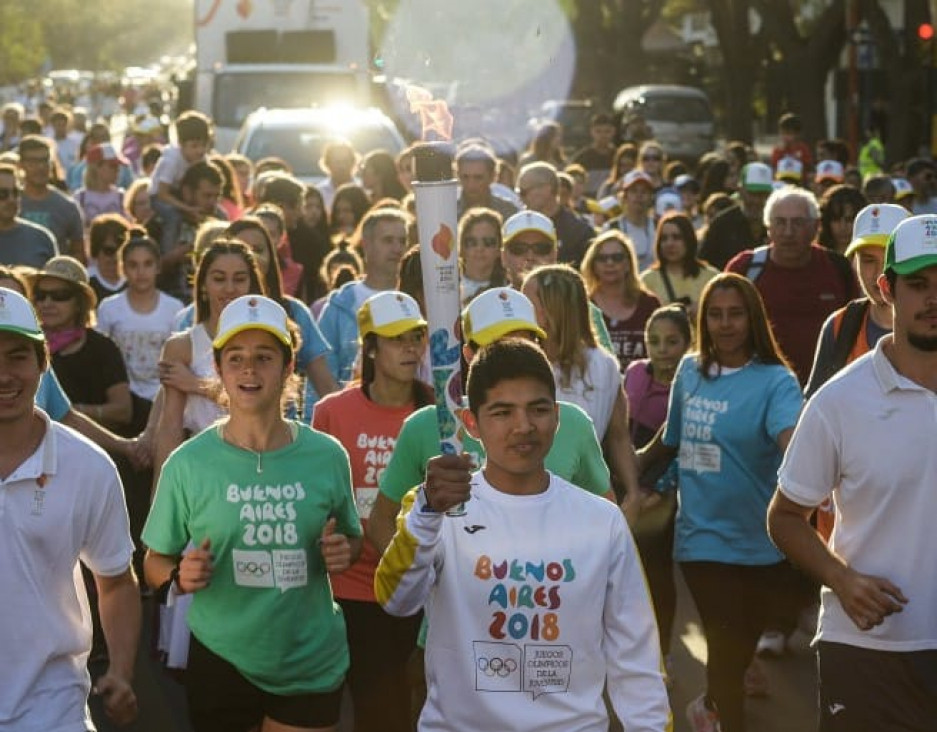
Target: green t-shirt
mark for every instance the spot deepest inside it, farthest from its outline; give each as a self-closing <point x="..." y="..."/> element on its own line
<point x="269" y="609"/>
<point x="575" y="455"/>
<point x="601" y="330"/>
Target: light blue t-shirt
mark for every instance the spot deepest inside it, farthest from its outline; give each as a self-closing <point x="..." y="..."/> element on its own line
<point x="726" y="429"/>
<point x="313" y="345"/>
<point x="50" y="397"/>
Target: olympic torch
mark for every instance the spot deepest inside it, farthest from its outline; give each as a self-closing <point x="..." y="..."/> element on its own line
<point x="435" y="190"/>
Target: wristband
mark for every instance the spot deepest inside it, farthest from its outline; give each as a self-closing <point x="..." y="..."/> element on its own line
<point x="426" y="507"/>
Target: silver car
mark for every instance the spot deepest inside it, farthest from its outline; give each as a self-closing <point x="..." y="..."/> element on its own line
<point x="680" y="117"/>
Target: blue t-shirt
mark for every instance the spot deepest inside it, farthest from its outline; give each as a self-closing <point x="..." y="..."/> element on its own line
<point x="726" y="429"/>
<point x="50" y="397"/>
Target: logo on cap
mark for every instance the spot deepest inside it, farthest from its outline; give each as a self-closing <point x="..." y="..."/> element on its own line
<point x="253" y="312"/>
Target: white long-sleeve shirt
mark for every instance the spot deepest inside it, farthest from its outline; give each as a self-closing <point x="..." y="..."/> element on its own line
<point x="534" y="602"/>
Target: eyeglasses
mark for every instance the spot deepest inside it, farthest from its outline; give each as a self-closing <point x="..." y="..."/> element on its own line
<point x="489" y="242"/>
<point x="523" y="248"/>
<point x="652" y="158"/>
<point x="798" y="223"/>
<point x="617" y="257"/>
<point x="108" y="251"/>
<point x="8" y="193"/>
<point x="39" y="295"/>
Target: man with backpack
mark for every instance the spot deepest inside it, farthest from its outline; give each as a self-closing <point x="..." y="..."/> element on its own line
<point x="800" y="282"/>
<point x="855" y="329"/>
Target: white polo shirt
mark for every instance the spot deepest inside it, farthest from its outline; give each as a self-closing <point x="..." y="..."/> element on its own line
<point x="873" y="432"/>
<point x="64" y="502"/>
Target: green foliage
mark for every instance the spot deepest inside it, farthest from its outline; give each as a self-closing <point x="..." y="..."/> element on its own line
<point x="90" y="34"/>
<point x="21" y="47"/>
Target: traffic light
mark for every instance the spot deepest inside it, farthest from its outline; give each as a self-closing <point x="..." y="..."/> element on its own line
<point x="926" y="43"/>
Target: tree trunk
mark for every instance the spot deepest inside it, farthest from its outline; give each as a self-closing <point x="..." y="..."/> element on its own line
<point x="742" y="55"/>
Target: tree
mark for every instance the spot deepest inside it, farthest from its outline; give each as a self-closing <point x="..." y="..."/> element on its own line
<point x="89" y="34"/>
<point x="21" y="46"/>
<point x="742" y="53"/>
<point x="608" y="36"/>
<point x="805" y="54"/>
<point x="906" y="73"/>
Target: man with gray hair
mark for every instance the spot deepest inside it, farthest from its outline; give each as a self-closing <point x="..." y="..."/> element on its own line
<point x="800" y="282"/>
<point x="538" y="186"/>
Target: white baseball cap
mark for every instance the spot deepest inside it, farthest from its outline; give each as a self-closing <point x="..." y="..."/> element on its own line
<point x="496" y="312"/>
<point x="17" y="316"/>
<point x="633" y="177"/>
<point x="902" y="188"/>
<point x="253" y="312"/>
<point x="757" y="177"/>
<point x="829" y="170"/>
<point x="527" y="220"/>
<point x="667" y="200"/>
<point x="389" y="314"/>
<point x="874" y="224"/>
<point x="790" y="169"/>
<point x="912" y="246"/>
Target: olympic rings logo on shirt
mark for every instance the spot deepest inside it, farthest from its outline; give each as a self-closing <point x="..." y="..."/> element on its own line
<point x="497" y="666"/>
<point x="258" y="569"/>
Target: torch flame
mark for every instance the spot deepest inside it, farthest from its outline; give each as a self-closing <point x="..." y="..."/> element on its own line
<point x="435" y="117"/>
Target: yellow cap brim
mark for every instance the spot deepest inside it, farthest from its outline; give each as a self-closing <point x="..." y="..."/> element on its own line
<point x="396" y="328"/>
<point x="872" y="240"/>
<point x="499" y="330"/>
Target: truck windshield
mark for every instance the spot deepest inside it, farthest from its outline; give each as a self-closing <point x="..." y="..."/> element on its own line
<point x="238" y="94"/>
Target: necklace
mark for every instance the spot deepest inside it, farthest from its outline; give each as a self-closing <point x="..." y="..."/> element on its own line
<point x="259" y="454"/>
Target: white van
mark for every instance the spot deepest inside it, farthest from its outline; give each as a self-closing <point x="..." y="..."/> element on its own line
<point x="680" y="117"/>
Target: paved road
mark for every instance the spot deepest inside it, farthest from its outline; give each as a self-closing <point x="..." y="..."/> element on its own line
<point x="791" y="702"/>
<point x="789" y="707"/>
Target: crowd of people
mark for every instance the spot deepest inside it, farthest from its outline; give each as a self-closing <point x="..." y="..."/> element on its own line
<point x="656" y="375"/>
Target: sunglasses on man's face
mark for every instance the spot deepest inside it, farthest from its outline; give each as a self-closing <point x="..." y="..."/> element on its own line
<point x="40" y="295"/>
<point x="8" y="193"/>
<point x="523" y="248"/>
<point x="489" y="242"/>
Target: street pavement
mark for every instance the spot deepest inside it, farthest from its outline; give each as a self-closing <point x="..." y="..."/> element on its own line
<point x="789" y="707"/>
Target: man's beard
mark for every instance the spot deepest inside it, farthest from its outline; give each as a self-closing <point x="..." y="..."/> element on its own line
<point x="927" y="344"/>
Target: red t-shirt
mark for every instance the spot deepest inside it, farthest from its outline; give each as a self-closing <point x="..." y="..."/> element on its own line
<point x="627" y="336"/>
<point x="368" y="431"/>
<point x="799" y="300"/>
<point x="799" y="150"/>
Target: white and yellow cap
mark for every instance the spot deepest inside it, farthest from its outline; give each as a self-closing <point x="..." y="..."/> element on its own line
<point x="389" y="314"/>
<point x="874" y="224"/>
<point x="528" y="220"/>
<point x="789" y="169"/>
<point x="253" y="312"/>
<point x="17" y="316"/>
<point x="902" y="188"/>
<point x="829" y="170"/>
<point x="495" y="313"/>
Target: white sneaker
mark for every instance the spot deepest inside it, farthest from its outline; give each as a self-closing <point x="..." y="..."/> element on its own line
<point x="700" y="717"/>
<point x="771" y="643"/>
